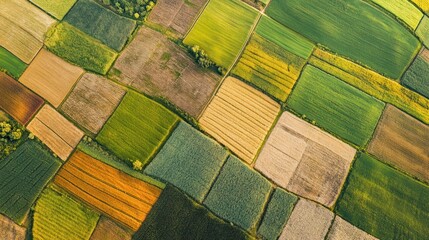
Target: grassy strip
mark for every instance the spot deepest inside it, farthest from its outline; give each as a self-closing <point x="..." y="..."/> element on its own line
<point x="10" y="64"/>
<point x="58" y="9"/>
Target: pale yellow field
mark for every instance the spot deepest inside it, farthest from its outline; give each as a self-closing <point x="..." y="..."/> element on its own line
<point x="240" y="117"/>
<point x="404" y="10"/>
<point x="341" y="230"/>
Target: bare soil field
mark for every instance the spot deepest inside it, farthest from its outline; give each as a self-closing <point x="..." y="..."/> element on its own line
<point x="10" y="230"/>
<point x="305" y="160"/>
<point x="92" y="101"/>
<point x="55" y="131"/>
<point x="107" y="229"/>
<point x="343" y="230"/>
<point x="51" y="77"/>
<point x="402" y="141"/>
<point x="155" y="65"/>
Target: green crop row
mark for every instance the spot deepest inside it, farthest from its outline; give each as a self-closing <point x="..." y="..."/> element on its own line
<point x="10" y="64"/>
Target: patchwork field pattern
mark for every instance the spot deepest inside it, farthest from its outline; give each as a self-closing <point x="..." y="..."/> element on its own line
<point x="60" y="135"/>
<point x="305" y="160"/>
<point x="11" y="230"/>
<point x="10" y="64"/>
<point x="239" y="117"/>
<point x="119" y="196"/>
<point x="342" y="230"/>
<point x="107" y="229"/>
<point x="403" y="10"/>
<point x="23" y="175"/>
<point x="417" y="75"/>
<point x="384" y="202"/>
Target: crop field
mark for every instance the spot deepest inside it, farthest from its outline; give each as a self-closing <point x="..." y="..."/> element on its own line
<point x="189" y="160"/>
<point x="277" y="213"/>
<point x="11" y="230"/>
<point x="402" y="141"/>
<point x="18" y="101"/>
<point x="144" y="124"/>
<point x="356" y="30"/>
<point x="58" y="9"/>
<point x="417" y="75"/>
<point x="305" y="160"/>
<point x="423" y="31"/>
<point x="177" y="15"/>
<point x="119" y="196"/>
<point x="23" y="175"/>
<point x="102" y="24"/>
<point x="239" y="194"/>
<point x="403" y="10"/>
<point x="155" y="65"/>
<point x="384" y="202"/>
<point x="373" y="84"/>
<point x="107" y="229"/>
<point x="336" y="106"/>
<point x="10" y="64"/>
<point x="92" y="101"/>
<point x="57" y="216"/>
<point x="220" y="32"/>
<point x="60" y="135"/>
<point x="342" y="229"/>
<point x="422" y="4"/>
<point x="239" y="117"/>
<point x="51" y="77"/>
<point x="190" y="220"/>
<point x="75" y="46"/>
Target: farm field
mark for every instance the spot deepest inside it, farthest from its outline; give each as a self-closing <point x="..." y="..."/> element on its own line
<point x="423" y="31"/>
<point x="403" y="10"/>
<point x="107" y="229"/>
<point x="402" y="141"/>
<point x="239" y="117"/>
<point x="341" y="230"/>
<point x="305" y="160"/>
<point x="17" y="100"/>
<point x="51" y="77"/>
<point x="360" y="34"/>
<point x="10" y="64"/>
<point x="336" y="106"/>
<point x="220" y="33"/>
<point x="155" y="65"/>
<point x="119" y="196"/>
<point x="189" y="160"/>
<point x="145" y="125"/>
<point x="92" y="101"/>
<point x="57" y="216"/>
<point x="384" y="202"/>
<point x="23" y="175"/>
<point x="417" y="75"/>
<point x="422" y="4"/>
<point x="58" y="9"/>
<point x="10" y="230"/>
<point x="102" y="24"/>
<point x="60" y="135"/>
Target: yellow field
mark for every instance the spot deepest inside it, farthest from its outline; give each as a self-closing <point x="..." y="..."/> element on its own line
<point x="403" y="10"/>
<point x="423" y="4"/>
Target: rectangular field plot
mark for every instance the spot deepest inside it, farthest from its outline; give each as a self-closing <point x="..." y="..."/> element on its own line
<point x="403" y="10"/>
<point x="23" y="175"/>
<point x="116" y="194"/>
<point x="423" y="31"/>
<point x="402" y="141"/>
<point x="108" y="230"/>
<point x="137" y="128"/>
<point x="240" y="117"/>
<point x="336" y="106"/>
<point x="417" y="75"/>
<point x="384" y="202"/>
<point x="57" y="216"/>
<point x="60" y="135"/>
<point x="220" y="32"/>
<point x="10" y="64"/>
<point x="305" y="160"/>
<point x="58" y="8"/>
<point x="342" y="230"/>
<point x="11" y="230"/>
<point x="51" y="77"/>
<point x="356" y="30"/>
<point x="17" y="100"/>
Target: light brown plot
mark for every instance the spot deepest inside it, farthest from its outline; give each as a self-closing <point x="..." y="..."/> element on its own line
<point x="107" y="229"/>
<point x="10" y="230"/>
<point x="343" y="230"/>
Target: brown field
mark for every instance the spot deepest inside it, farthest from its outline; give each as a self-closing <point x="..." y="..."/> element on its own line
<point x="17" y="100"/>
<point x="118" y="195"/>
<point x="305" y="160"/>
<point x="92" y="101"/>
<point x="402" y="141"/>
<point x="10" y="230"/>
<point x="155" y="65"/>
<point x="51" y="77"/>
<point x="342" y="230"/>
<point x="55" y="131"/>
<point x="240" y="117"/>
<point x="108" y="230"/>
<point x="425" y="54"/>
<point x="177" y="15"/>
<point x="307" y="221"/>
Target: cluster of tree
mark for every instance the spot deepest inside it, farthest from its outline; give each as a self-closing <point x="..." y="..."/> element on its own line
<point x="137" y="9"/>
<point x="10" y="134"/>
<point x="203" y="59"/>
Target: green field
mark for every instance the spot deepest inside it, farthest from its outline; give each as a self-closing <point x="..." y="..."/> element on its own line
<point x="403" y="10"/>
<point x="188" y="160"/>
<point x="75" y="46"/>
<point x="57" y="8"/>
<point x="175" y="216"/>
<point x="417" y="76"/>
<point x="278" y="211"/>
<point x="220" y="32"/>
<point x="137" y="128"/>
<point x="384" y="202"/>
<point x="10" y="64"/>
<point x="239" y="194"/>
<point x="336" y="106"/>
<point x="56" y="216"/>
<point x="423" y="31"/>
<point x="100" y="23"/>
<point x="354" y="29"/>
<point x="23" y="175"/>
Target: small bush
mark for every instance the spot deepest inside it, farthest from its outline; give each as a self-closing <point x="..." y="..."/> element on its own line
<point x="136" y="9"/>
<point x="10" y="135"/>
<point x="203" y="59"/>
